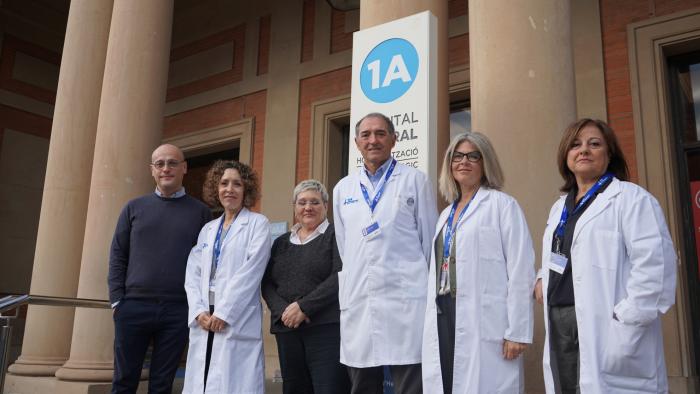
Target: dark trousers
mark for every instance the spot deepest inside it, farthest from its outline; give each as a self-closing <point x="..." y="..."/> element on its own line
<point x="210" y="342"/>
<point x="446" y="336"/>
<point x="407" y="379"/>
<point x="310" y="361"/>
<point x="563" y="345"/>
<point x="137" y="323"/>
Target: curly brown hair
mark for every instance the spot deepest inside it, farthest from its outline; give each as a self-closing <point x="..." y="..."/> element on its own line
<point x="251" y="186"/>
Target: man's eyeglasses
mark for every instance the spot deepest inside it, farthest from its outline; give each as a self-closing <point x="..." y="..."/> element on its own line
<point x="160" y="164"/>
<point x="472" y="157"/>
<point x="303" y="203"/>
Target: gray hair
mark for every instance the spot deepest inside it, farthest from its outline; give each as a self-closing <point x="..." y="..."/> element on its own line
<point x="492" y="177"/>
<point x="313" y="185"/>
<point x="389" y="123"/>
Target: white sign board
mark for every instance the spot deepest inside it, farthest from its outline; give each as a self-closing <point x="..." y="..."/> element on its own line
<point x="394" y="72"/>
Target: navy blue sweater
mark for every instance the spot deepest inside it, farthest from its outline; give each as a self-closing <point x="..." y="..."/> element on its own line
<point x="150" y="247"/>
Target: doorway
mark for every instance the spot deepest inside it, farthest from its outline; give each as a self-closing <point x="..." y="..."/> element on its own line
<point x="198" y="163"/>
<point x="684" y="93"/>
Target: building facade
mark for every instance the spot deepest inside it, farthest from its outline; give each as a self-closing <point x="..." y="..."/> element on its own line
<point x="89" y="87"/>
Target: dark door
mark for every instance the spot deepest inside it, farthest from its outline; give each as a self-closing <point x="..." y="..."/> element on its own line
<point x="684" y="91"/>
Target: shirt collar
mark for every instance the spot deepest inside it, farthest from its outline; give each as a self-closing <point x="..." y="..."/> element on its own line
<point x="380" y="171"/>
<point x="321" y="229"/>
<point x="177" y="194"/>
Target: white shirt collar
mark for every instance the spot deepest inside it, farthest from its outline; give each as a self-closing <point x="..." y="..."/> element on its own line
<point x="294" y="236"/>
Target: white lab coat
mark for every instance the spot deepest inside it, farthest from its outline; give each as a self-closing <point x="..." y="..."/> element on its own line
<point x="382" y="285"/>
<point x="495" y="275"/>
<point x="623" y="263"/>
<point x="237" y="360"/>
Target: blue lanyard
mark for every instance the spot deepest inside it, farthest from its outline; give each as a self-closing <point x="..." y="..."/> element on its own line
<point x="449" y="230"/>
<point x="218" y="241"/>
<point x="565" y="212"/>
<point x="378" y="195"/>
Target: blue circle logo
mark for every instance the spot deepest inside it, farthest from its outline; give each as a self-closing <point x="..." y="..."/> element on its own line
<point x="389" y="70"/>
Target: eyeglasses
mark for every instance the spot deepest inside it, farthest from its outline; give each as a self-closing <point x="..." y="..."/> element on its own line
<point x="160" y="164"/>
<point x="303" y="203"/>
<point x="472" y="157"/>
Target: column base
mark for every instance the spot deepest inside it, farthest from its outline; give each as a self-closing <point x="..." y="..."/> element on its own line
<point x="86" y="372"/>
<point x="97" y="372"/>
<point x="36" y="366"/>
<point x="15" y="384"/>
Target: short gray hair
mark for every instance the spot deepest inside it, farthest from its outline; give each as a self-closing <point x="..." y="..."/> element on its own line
<point x="313" y="185"/>
<point x="492" y="177"/>
<point x="389" y="123"/>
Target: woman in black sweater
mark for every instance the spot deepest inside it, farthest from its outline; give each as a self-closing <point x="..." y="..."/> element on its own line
<point x="300" y="287"/>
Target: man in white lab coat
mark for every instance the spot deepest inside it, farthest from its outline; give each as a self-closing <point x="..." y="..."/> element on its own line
<point x="385" y="216"/>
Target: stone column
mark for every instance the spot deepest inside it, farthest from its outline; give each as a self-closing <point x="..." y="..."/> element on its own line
<point x="373" y="12"/>
<point x="129" y="128"/>
<point x="66" y="188"/>
<point x="522" y="97"/>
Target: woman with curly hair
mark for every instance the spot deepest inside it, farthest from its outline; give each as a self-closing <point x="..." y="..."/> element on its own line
<point x="224" y="271"/>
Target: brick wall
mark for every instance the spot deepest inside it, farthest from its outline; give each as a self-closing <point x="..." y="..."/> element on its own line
<point x="264" y="45"/>
<point x="234" y="35"/>
<point x="319" y="87"/>
<point x="456" y="8"/>
<point x="251" y="105"/>
<point x="616" y="15"/>
<point x="11" y="46"/>
<point x="340" y="39"/>
<point x="307" y="31"/>
<point x="458" y="50"/>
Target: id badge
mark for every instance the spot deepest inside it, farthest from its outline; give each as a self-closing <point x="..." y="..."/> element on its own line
<point x="444" y="269"/>
<point x="557" y="263"/>
<point x="371" y="231"/>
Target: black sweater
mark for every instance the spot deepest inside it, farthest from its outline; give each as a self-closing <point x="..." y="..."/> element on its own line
<point x="307" y="274"/>
<point x="150" y="247"/>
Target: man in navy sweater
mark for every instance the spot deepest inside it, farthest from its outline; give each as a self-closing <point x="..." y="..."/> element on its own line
<point x="146" y="279"/>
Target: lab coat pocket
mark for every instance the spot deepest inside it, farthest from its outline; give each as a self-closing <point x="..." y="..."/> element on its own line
<point x="490" y="248"/>
<point x="248" y="326"/>
<point x="629" y="351"/>
<point x="492" y="265"/>
<point x="404" y="211"/>
<point x="493" y="321"/>
<point x="605" y="252"/>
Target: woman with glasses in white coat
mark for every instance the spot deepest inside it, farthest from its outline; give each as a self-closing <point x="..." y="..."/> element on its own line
<point x="608" y="273"/>
<point x="479" y="316"/>
<point x="222" y="282"/>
